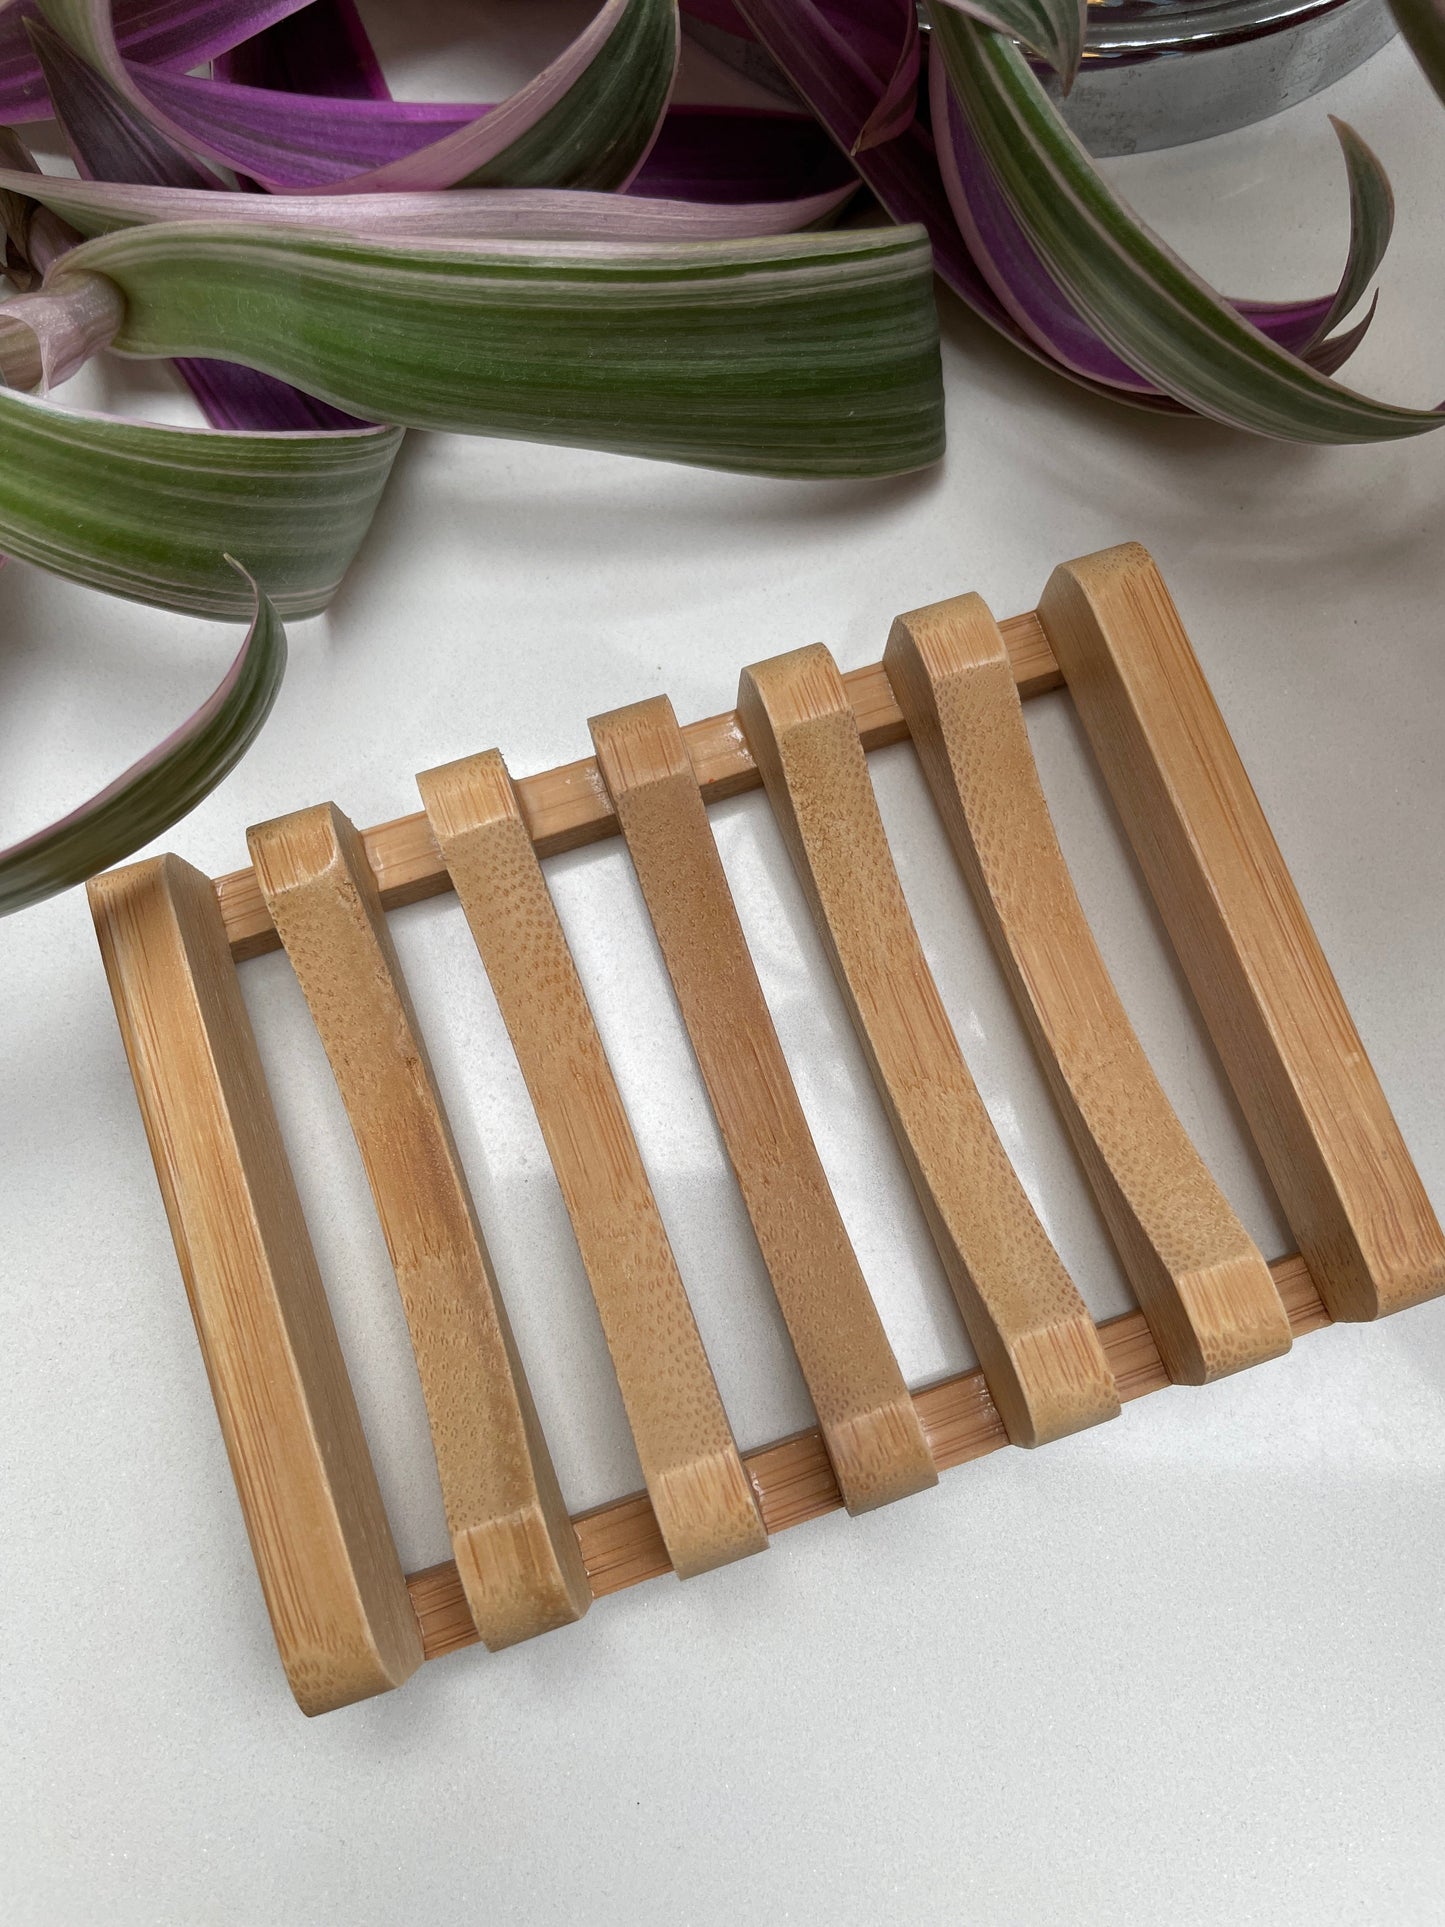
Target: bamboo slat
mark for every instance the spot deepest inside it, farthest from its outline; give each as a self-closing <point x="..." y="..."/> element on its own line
<point x="873" y="1436"/>
<point x="1033" y="1336"/>
<point x="1199" y="1279"/>
<point x="700" y="1494"/>
<point x="516" y="1549"/>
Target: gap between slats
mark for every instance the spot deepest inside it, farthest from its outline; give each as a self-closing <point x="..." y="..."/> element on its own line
<point x="621" y="1545"/>
<point x="568" y="807"/>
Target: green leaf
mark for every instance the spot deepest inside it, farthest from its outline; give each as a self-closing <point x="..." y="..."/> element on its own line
<point x="813" y="355"/>
<point x="1372" y="221"/>
<point x="1422" y="22"/>
<point x="1152" y="310"/>
<point x="147" y="512"/>
<point x="165" y="784"/>
<point x="599" y="132"/>
<point x="1052" y="29"/>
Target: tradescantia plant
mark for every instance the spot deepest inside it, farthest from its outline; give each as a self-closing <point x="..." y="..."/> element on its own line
<point x="585" y="262"/>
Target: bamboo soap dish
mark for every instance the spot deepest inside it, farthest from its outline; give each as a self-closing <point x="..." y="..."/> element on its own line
<point x="348" y="1623"/>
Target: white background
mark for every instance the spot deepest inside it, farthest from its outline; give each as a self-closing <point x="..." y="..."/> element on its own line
<point x="1189" y="1668"/>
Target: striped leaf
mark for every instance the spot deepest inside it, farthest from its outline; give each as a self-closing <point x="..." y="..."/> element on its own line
<point x="586" y="121"/>
<point x="1141" y="300"/>
<point x="165" y="784"/>
<point x="148" y="512"/>
<point x="815" y="355"/>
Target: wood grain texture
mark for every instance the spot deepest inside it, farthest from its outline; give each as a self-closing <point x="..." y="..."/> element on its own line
<point x="513" y="1542"/>
<point x="568" y="807"/>
<point x="328" y="1568"/>
<point x="1198" y="1276"/>
<point x="795" y="1482"/>
<point x="705" y="1508"/>
<point x="1289" y="1045"/>
<point x="867" y="1418"/>
<point x="1038" y="1347"/>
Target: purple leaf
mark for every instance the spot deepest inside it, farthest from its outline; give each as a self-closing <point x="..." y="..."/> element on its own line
<point x="741" y="154"/>
<point x="161" y="33"/>
<point x="231" y="396"/>
<point x="323" y="49"/>
<point x="614" y="80"/>
<point x="898" y="103"/>
<point x="110" y="141"/>
<point x="1006" y="257"/>
<point x="833" y="78"/>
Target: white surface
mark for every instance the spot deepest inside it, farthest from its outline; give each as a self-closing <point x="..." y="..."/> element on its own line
<point x="1189" y="1668"/>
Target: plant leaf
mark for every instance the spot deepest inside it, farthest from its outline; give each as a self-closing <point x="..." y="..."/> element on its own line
<point x="1372" y="220"/>
<point x="322" y="49"/>
<point x="147" y="512"/>
<point x="109" y="137"/>
<point x="110" y="140"/>
<point x="813" y="355"/>
<point x="161" y="33"/>
<point x="586" y="121"/>
<point x="1422" y="22"/>
<point x="741" y="154"/>
<point x="823" y="58"/>
<point x="898" y="102"/>
<point x="1137" y="295"/>
<point x="165" y="784"/>
<point x="454" y="214"/>
<point x="1052" y="29"/>
<point x="1025" y="287"/>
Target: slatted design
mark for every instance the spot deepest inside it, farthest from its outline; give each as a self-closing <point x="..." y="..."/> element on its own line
<point x="345" y="1623"/>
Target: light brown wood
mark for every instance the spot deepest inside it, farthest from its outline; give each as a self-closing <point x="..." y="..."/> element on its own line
<point x="568" y="807"/>
<point x="795" y="1482"/>
<point x="329" y="1571"/>
<point x="1200" y="1280"/>
<point x="513" y="1542"/>
<point x="1038" y="1347"/>
<point x="1289" y="1045"/>
<point x="866" y="1416"/>
<point x="704" y="1505"/>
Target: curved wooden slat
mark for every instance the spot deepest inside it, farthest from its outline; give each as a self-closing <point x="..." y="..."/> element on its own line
<point x="705" y="1507"/>
<point x="1199" y="1278"/>
<point x="1036" y="1343"/>
<point x="868" y="1422"/>
<point x="520" y="1564"/>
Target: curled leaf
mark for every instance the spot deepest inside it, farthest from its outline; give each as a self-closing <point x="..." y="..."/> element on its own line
<point x="165" y="784"/>
<point x="587" y="120"/>
<point x="1137" y="295"/>
<point x="1052" y="29"/>
<point x="45" y="337"/>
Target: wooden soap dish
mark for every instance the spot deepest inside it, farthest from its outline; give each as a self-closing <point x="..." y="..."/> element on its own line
<point x="348" y="1624"/>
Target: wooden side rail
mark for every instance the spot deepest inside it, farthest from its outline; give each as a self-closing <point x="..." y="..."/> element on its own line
<point x="319" y="1535"/>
